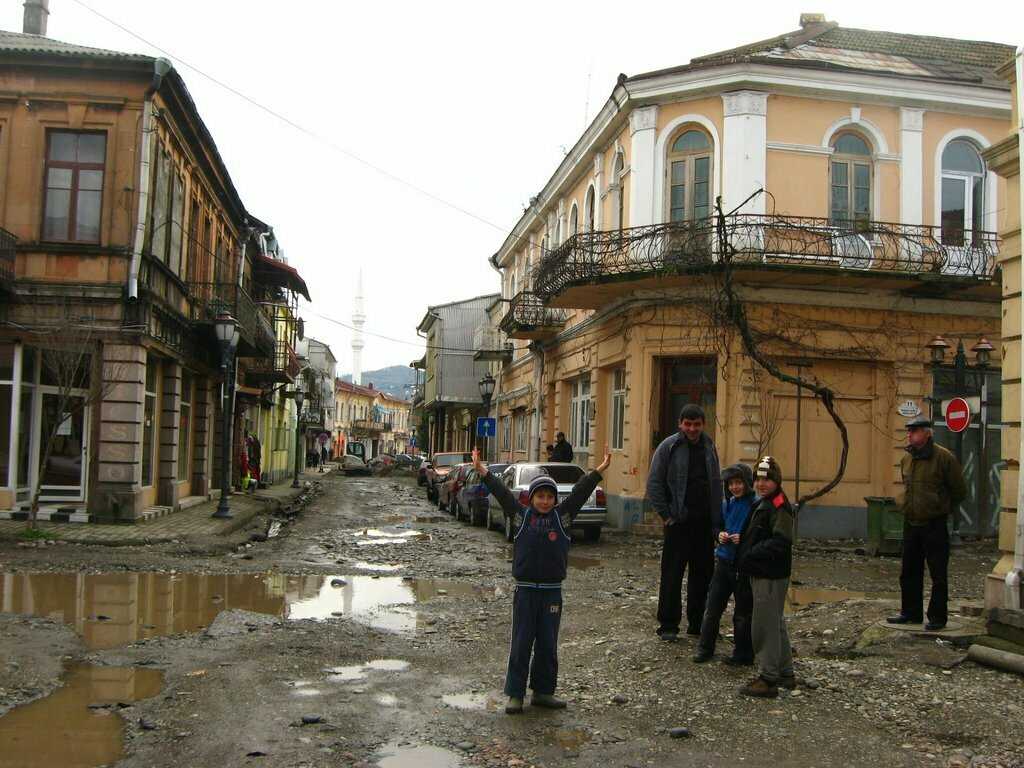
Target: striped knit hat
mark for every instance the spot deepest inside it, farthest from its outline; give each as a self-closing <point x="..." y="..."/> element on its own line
<point x="543" y="481"/>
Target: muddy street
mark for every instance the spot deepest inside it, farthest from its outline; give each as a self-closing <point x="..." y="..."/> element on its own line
<point x="374" y="631"/>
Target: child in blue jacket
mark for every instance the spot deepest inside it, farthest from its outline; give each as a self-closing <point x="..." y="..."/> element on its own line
<point x="540" y="559"/>
<point x="738" y="480"/>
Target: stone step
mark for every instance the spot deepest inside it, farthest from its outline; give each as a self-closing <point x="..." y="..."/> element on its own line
<point x="1006" y="623"/>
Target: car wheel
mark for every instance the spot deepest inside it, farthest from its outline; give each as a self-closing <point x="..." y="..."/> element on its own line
<point x="592" y="533"/>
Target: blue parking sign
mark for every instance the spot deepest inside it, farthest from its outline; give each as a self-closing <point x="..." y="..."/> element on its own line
<point x="486" y="427"/>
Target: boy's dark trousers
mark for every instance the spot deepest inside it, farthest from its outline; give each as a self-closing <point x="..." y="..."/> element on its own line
<point x="725" y="583"/>
<point x="925" y="543"/>
<point x="685" y="545"/>
<point x="536" y="616"/>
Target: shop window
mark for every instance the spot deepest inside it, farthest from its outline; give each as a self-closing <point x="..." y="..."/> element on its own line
<point x="75" y="163"/>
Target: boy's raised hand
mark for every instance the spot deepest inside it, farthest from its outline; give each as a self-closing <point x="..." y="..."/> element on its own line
<point x="607" y="460"/>
<point x="477" y="464"/>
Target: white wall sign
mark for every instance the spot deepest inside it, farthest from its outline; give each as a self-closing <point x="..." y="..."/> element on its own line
<point x="909" y="409"/>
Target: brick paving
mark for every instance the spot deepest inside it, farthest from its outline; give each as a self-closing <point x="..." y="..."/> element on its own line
<point x="190" y="523"/>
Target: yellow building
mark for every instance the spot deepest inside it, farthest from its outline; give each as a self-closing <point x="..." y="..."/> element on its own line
<point x="1004" y="158"/>
<point x="874" y="233"/>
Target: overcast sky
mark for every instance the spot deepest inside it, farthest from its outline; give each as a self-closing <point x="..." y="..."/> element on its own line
<point x="476" y="102"/>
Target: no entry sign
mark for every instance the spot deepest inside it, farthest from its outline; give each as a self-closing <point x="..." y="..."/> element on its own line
<point x="958" y="414"/>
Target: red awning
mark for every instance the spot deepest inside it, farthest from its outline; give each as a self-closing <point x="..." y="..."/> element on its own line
<point x="280" y="274"/>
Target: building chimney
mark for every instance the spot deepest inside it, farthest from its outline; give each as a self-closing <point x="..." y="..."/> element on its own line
<point x="807" y="19"/>
<point x="36" y="14"/>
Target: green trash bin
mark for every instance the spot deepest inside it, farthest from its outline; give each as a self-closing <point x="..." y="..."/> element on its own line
<point x="885" y="526"/>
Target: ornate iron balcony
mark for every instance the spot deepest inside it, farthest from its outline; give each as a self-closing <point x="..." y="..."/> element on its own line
<point x="255" y="328"/>
<point x="529" y="318"/>
<point x="766" y="241"/>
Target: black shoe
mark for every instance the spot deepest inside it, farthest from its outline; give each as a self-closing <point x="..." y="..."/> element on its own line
<point x="693" y="630"/>
<point x="935" y="626"/>
<point x="701" y="656"/>
<point x="733" y="661"/>
<point x="901" y="619"/>
<point x="668" y="634"/>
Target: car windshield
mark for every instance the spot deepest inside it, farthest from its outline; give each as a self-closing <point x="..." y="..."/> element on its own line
<point x="450" y="459"/>
<point x="497" y="469"/>
<point x="563" y="474"/>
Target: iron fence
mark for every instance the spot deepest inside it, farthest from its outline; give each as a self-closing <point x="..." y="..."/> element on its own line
<point x="527" y="312"/>
<point x="801" y="242"/>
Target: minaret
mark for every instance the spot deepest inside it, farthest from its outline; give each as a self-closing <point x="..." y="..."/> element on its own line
<point x="358" y="318"/>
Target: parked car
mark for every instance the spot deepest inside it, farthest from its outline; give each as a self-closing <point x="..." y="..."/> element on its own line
<point x="591" y="518"/>
<point x="404" y="460"/>
<point x="353" y="465"/>
<point x="473" y="499"/>
<point x="440" y="465"/>
<point x="448" y="488"/>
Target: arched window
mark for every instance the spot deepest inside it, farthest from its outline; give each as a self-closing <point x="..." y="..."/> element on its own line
<point x="689" y="170"/>
<point x="850" y="202"/>
<point x="588" y="211"/>
<point x="574" y="220"/>
<point x="963" y="192"/>
<point x="620" y="197"/>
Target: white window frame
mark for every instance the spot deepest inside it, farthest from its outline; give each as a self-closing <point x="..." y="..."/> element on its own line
<point x="966" y="179"/>
<point x="521" y="421"/>
<point x="617" y="411"/>
<point x="506" y="432"/>
<point x="579" y="414"/>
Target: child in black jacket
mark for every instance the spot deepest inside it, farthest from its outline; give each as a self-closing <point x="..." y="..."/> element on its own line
<point x="540" y="560"/>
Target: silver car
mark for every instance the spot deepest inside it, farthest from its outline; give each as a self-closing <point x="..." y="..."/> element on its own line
<point x="591" y="518"/>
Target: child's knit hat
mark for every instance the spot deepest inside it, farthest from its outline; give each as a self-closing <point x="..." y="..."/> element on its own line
<point x="768" y="467"/>
<point x="543" y="481"/>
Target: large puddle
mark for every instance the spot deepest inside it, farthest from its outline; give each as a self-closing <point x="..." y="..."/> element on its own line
<point x="416" y="756"/>
<point x="109" y="610"/>
<point x="802" y="597"/>
<point x="62" y="729"/>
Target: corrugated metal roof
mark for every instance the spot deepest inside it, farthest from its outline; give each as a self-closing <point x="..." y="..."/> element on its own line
<point x="17" y="42"/>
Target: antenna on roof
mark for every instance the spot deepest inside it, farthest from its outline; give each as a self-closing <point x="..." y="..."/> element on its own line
<point x="586" y="103"/>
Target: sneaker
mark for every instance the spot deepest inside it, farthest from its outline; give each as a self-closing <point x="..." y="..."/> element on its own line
<point x="733" y="661"/>
<point x="514" y="706"/>
<point x="760" y="688"/>
<point x="668" y="635"/>
<point x="789" y="683"/>
<point x="702" y="656"/>
<point x="547" y="701"/>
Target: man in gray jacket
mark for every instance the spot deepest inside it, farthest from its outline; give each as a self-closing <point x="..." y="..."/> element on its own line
<point x="685" y="488"/>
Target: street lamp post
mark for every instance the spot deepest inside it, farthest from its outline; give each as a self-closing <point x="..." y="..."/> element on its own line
<point x="983" y="354"/>
<point x="227" y="336"/>
<point x="486" y="392"/>
<point x="299" y="396"/>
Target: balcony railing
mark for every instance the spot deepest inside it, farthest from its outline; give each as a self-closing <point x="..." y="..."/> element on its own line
<point x="281" y="367"/>
<point x="7" y="243"/>
<point x="489" y="343"/>
<point x="804" y="242"/>
<point x="529" y="318"/>
<point x="254" y="327"/>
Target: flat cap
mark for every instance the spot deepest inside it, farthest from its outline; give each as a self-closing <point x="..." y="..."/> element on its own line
<point x="919" y="421"/>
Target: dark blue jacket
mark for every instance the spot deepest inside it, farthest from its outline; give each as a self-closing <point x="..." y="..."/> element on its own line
<point x="541" y="550"/>
<point x="734" y="516"/>
<point x="666" y="481"/>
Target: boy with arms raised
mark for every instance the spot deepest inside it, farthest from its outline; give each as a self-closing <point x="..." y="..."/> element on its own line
<point x="540" y="560"/>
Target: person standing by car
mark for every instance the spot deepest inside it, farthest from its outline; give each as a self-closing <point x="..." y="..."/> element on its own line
<point x="933" y="489"/>
<point x="684" y="486"/>
<point x="563" y="450"/>
<point x="540" y="560"/>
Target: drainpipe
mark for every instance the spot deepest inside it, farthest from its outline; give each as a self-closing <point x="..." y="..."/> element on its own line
<point x="1016" y="575"/>
<point x="160" y="69"/>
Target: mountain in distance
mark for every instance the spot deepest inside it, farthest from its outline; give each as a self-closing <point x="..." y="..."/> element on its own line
<point x="392" y="380"/>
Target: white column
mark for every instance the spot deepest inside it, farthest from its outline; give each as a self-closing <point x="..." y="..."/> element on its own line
<point x="598" y="191"/>
<point x="911" y="166"/>
<point x="744" y="150"/>
<point x="642" y="124"/>
<point x="12" y="452"/>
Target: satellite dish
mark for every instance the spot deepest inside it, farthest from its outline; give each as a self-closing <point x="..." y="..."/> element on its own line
<point x="302" y="329"/>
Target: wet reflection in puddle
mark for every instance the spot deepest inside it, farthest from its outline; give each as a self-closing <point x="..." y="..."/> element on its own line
<point x="387" y="700"/>
<point x="114" y="609"/>
<point x="61" y="729"/>
<point x="416" y="756"/>
<point x="346" y="674"/>
<point x="584" y="563"/>
<point x="383" y="567"/>
<point x="801" y="597"/>
<point x="359" y="672"/>
<point x="375" y="536"/>
<point x="388" y="665"/>
<point x="484" y="702"/>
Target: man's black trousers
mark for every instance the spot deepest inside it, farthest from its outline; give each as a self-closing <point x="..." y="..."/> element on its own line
<point x="928" y="543"/>
<point x="724" y="584"/>
<point x="685" y="546"/>
<point x="536" y="616"/>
